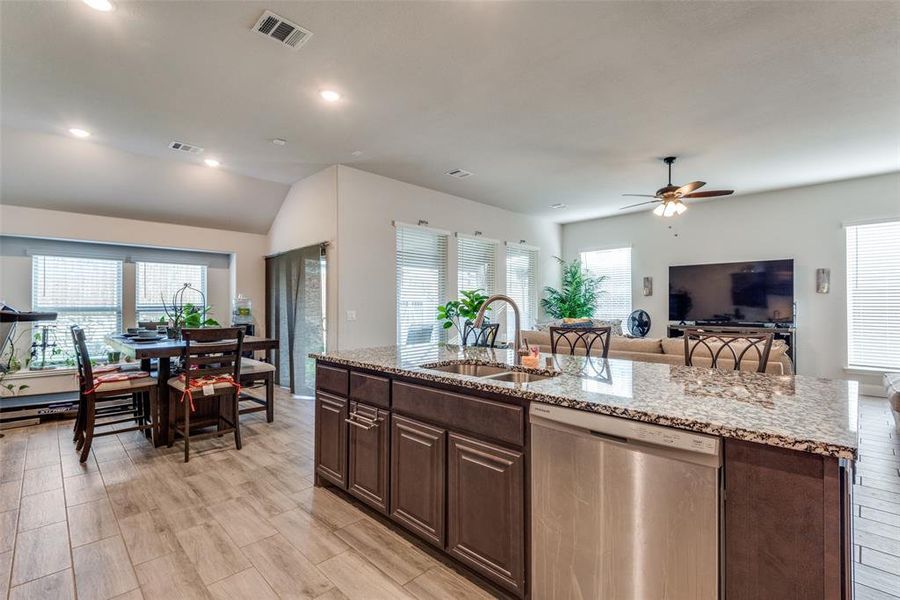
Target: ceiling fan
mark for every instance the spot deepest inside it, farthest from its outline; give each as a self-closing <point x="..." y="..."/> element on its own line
<point x="670" y="197"/>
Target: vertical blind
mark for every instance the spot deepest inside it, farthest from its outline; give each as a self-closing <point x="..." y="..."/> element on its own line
<point x="83" y="291"/>
<point x="421" y="283"/>
<point x="521" y="285"/>
<point x="156" y="283"/>
<point x="614" y="264"/>
<point x="873" y="295"/>
<point x="476" y="264"/>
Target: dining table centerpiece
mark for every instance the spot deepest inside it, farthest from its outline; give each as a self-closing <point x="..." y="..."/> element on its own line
<point x="181" y="314"/>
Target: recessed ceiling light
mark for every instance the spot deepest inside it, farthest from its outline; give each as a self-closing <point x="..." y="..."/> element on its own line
<point x="211" y="162"/>
<point x="356" y="153"/>
<point x="80" y="133"/>
<point x="101" y="5"/>
<point x="279" y="142"/>
<point x="558" y="205"/>
<point x="330" y="95"/>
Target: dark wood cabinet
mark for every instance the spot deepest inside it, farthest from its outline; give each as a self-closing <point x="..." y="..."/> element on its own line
<point x="332" y="413"/>
<point x="486" y="510"/>
<point x="369" y="436"/>
<point x="783" y="524"/>
<point x="418" y="477"/>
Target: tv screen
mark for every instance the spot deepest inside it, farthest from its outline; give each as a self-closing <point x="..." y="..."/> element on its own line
<point x="745" y="292"/>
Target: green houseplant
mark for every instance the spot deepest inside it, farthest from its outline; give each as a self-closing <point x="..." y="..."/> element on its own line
<point x="456" y="312"/>
<point x="577" y="297"/>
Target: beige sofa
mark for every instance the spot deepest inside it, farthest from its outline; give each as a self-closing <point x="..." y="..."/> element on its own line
<point x="671" y="351"/>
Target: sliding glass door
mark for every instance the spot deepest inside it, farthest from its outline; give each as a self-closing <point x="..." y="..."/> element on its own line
<point x="295" y="297"/>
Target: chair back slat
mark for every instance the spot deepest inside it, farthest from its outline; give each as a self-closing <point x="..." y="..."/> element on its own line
<point x="734" y="347"/>
<point x="568" y="339"/>
<point x="82" y="359"/>
<point x="485" y="336"/>
<point x="212" y="352"/>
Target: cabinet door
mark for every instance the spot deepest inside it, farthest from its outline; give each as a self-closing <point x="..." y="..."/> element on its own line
<point x="368" y="475"/>
<point x="418" y="454"/>
<point x="486" y="510"/>
<point x="331" y="438"/>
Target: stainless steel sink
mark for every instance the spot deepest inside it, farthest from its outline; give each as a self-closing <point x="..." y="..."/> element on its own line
<point x="518" y="377"/>
<point x="469" y="369"/>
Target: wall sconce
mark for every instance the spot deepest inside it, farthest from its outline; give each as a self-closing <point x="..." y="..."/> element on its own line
<point x="823" y="281"/>
<point x="648" y="286"/>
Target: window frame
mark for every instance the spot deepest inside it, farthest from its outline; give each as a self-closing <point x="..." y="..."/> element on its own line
<point x="159" y="308"/>
<point x="851" y="229"/>
<point x="529" y="317"/>
<point x="630" y="286"/>
<point x="443" y="281"/>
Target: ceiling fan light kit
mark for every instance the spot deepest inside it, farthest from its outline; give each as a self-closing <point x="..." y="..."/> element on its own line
<point x="670" y="197"/>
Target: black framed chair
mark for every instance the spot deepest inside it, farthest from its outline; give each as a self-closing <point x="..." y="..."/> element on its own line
<point x="484" y="336"/>
<point x="567" y="339"/>
<point x="212" y="369"/>
<point x="98" y="392"/>
<point x="734" y="347"/>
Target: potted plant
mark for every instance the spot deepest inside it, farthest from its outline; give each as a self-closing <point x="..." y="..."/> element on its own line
<point x="577" y="298"/>
<point x="181" y="314"/>
<point x="456" y="312"/>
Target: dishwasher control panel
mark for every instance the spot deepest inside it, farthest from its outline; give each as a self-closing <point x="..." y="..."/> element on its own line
<point x="627" y="429"/>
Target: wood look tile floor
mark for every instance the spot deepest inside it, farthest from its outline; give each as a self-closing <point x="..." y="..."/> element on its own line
<point x="135" y="522"/>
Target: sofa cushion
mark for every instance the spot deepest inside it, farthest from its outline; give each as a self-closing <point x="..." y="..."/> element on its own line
<point x="645" y="345"/>
<point x="892" y="387"/>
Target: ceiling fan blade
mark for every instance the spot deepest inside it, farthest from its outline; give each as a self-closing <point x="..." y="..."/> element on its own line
<point x="640" y="195"/>
<point x="709" y="194"/>
<point x="689" y="187"/>
<point x="639" y="203"/>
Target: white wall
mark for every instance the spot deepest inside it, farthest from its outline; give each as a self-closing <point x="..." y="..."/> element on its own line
<point x="246" y="274"/>
<point x="802" y="223"/>
<point x="309" y="216"/>
<point x="367" y="206"/>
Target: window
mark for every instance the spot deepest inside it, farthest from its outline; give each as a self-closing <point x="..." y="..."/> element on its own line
<point x="421" y="283"/>
<point x="156" y="283"/>
<point x="615" y="265"/>
<point x="873" y="296"/>
<point x="521" y="285"/>
<point x="476" y="264"/>
<point x="83" y="291"/>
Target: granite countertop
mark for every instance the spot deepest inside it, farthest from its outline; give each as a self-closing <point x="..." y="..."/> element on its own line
<point x="797" y="412"/>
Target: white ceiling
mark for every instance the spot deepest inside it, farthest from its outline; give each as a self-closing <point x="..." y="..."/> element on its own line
<point x="544" y="102"/>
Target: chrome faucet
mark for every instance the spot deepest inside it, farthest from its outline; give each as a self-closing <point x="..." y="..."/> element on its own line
<point x="479" y="321"/>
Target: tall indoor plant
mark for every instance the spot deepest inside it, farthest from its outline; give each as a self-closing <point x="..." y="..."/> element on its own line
<point x="577" y="297"/>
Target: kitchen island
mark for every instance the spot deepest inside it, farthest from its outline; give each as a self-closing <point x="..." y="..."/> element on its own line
<point x="437" y="439"/>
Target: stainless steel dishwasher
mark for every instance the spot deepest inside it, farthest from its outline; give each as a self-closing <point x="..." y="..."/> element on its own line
<point x="622" y="510"/>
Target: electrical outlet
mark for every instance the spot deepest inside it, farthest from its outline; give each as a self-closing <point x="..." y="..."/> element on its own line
<point x="351" y="315"/>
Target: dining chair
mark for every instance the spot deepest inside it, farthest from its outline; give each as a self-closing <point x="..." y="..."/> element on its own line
<point x="587" y="338"/>
<point x="735" y="347"/>
<point x="211" y="370"/>
<point x="256" y="372"/>
<point x="98" y="392"/>
<point x="485" y="336"/>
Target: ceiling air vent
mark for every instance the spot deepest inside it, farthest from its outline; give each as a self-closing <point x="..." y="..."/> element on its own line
<point x="458" y="173"/>
<point x="182" y="147"/>
<point x="281" y="30"/>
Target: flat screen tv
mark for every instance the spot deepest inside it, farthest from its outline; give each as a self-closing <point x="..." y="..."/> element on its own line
<point x="744" y="292"/>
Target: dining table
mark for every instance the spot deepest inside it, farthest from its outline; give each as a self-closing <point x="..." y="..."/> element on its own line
<point x="164" y="350"/>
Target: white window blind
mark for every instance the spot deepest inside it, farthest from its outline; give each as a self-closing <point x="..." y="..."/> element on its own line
<point x="476" y="264"/>
<point x="156" y="283"/>
<point x="873" y="296"/>
<point x="83" y="291"/>
<point x="522" y="285"/>
<point x="421" y="283"/>
<point x="615" y="264"/>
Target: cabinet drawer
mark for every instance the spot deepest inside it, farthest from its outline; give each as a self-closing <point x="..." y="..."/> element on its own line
<point x="370" y="389"/>
<point x="495" y="420"/>
<point x="332" y="379"/>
